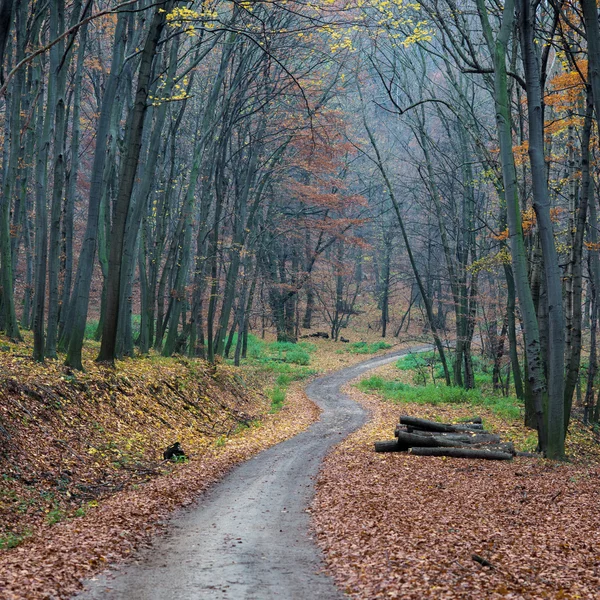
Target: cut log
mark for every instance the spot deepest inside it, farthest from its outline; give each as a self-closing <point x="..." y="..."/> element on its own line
<point x="413" y="423"/>
<point x="426" y="425"/>
<point x="468" y="427"/>
<point x="465" y="437"/>
<point x="456" y="429"/>
<point x="462" y="453"/>
<point x="426" y="441"/>
<point x="388" y="446"/>
<point x="501" y="447"/>
<point x="471" y="420"/>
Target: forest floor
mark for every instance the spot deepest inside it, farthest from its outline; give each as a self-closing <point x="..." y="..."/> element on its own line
<point x="399" y="526"/>
<point x="83" y="482"/>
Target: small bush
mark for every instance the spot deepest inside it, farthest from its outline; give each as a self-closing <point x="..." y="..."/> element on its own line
<point x="277" y="395"/>
<point x="418" y="360"/>
<point x="364" y="348"/>
<point x="55" y="516"/>
<point x="284" y="379"/>
<point x="12" y="540"/>
<point x="297" y="357"/>
<point x="396" y="391"/>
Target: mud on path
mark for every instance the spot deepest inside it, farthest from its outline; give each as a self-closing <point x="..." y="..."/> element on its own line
<point x="248" y="537"/>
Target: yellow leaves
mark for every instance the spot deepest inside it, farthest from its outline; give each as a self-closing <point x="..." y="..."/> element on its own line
<point x="344" y="44"/>
<point x="491" y="262"/>
<point x="420" y="34"/>
<point x="179" y="15"/>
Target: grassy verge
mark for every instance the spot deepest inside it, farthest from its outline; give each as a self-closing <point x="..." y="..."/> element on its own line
<point x="398" y="392"/>
<point x="427" y="368"/>
<point x="366" y="348"/>
<point x="282" y="362"/>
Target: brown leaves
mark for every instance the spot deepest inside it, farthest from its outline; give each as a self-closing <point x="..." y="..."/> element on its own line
<point x="396" y="526"/>
<point x="80" y="471"/>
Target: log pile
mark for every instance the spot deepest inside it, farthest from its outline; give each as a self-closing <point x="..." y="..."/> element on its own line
<point x="467" y="439"/>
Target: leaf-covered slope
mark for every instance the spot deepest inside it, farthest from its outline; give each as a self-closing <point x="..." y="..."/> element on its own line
<point x="83" y="481"/>
<point x="69" y="439"/>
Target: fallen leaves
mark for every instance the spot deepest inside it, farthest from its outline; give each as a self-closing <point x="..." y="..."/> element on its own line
<point x="83" y="484"/>
<point x="397" y="526"/>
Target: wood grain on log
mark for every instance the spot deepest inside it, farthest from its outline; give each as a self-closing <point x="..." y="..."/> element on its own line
<point x="462" y="453"/>
<point x="465" y="437"/>
<point x="413" y="440"/>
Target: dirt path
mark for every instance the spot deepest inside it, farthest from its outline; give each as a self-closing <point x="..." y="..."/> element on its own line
<point x="248" y="537"/>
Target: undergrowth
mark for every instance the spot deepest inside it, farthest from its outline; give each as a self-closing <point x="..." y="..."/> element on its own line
<point x="285" y="361"/>
<point x="398" y="392"/>
<point x="91" y="327"/>
<point x="365" y="348"/>
<point x="428" y="368"/>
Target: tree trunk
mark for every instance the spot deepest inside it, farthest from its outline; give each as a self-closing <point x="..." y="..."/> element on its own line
<point x="555" y="444"/>
<point x="498" y="49"/>
<point x="133" y="140"/>
<point x="74" y="332"/>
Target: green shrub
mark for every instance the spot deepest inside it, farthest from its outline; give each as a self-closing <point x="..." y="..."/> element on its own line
<point x="418" y="360"/>
<point x="12" y="540"/>
<point x="396" y="391"/>
<point x="55" y="516"/>
<point x="277" y="395"/>
<point x="364" y="348"/>
<point x="297" y="357"/>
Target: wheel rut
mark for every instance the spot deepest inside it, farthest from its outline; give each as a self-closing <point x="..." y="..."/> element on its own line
<point x="248" y="536"/>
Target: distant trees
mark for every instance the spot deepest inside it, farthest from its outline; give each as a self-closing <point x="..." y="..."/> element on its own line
<point x="180" y="174"/>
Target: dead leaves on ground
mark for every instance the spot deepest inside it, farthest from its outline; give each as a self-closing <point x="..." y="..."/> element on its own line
<point x="80" y="467"/>
<point x="397" y="526"/>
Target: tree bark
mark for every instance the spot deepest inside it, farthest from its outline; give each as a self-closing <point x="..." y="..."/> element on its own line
<point x="133" y="140"/>
<point x="555" y="443"/>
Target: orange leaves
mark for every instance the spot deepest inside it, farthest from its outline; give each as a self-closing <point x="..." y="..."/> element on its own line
<point x="520" y="153"/>
<point x="567" y="88"/>
<point x="502" y="236"/>
<point x="529" y="221"/>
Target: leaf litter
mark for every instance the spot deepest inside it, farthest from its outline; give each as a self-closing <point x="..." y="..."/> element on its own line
<point x="83" y="483"/>
<point x="400" y="526"/>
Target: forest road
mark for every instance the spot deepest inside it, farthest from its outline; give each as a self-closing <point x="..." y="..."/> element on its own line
<point x="248" y="536"/>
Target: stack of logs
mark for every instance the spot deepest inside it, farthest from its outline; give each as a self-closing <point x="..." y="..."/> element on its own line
<point x="467" y="439"/>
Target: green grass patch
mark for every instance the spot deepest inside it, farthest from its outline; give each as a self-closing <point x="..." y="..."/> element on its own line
<point x="277" y="396"/>
<point x="12" y="540"/>
<point x="398" y="392"/>
<point x="365" y="348"/>
<point x="428" y="368"/>
<point x="92" y="326"/>
<point x="260" y="351"/>
<point x="284" y="361"/>
<point x="55" y="516"/>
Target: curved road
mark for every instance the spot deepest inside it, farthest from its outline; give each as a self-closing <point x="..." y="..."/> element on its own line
<point x="248" y="536"/>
